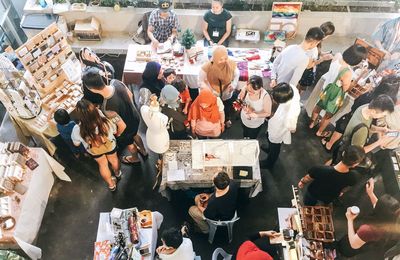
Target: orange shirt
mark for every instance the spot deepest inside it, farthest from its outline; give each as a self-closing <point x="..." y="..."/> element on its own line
<point x="185" y="96"/>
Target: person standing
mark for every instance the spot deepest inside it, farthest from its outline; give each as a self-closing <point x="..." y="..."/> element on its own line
<point x="176" y="118"/>
<point x="257" y="107"/>
<point x="283" y="123"/>
<point x="152" y="78"/>
<point x="88" y="58"/>
<point x="163" y="24"/>
<point x="217" y="24"/>
<point x="206" y="115"/>
<point x="96" y="133"/>
<point x="387" y="37"/>
<point x="328" y="183"/>
<point x="118" y="98"/>
<point x="335" y="85"/>
<point x="220" y="76"/>
<point x="291" y="63"/>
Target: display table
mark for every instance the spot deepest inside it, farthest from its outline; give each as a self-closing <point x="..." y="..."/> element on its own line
<point x="27" y="128"/>
<point x="133" y="69"/>
<point x="199" y="178"/>
<point x="147" y="236"/>
<point x="28" y="209"/>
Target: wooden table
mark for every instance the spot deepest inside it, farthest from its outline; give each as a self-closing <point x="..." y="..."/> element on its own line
<point x="199" y="178"/>
<point x="133" y="69"/>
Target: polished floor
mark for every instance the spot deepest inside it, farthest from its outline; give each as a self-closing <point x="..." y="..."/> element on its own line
<point x="69" y="226"/>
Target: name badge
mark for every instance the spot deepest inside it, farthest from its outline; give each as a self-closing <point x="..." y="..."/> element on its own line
<point x="215" y="33"/>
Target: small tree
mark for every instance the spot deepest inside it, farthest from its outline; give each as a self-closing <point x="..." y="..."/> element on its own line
<point x="188" y="39"/>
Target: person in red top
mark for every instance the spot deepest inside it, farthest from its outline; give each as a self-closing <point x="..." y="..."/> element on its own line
<point x="258" y="247"/>
<point x="381" y="226"/>
<point x="184" y="94"/>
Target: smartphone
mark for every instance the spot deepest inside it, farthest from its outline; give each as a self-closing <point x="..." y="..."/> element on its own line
<point x="392" y="133"/>
<point x="144" y="251"/>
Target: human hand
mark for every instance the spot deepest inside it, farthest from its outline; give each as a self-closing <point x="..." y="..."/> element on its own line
<point x="327" y="56"/>
<point x="369" y="187"/>
<point x="155" y="43"/>
<point x="272" y="84"/>
<point x="185" y="111"/>
<point x="252" y="115"/>
<point x="300" y="185"/>
<point x="350" y="216"/>
<point x="269" y="233"/>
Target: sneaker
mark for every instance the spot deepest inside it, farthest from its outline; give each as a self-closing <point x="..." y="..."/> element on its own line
<point x="114" y="187"/>
<point x="118" y="175"/>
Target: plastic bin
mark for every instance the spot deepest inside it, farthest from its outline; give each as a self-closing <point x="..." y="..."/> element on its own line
<point x="32" y="24"/>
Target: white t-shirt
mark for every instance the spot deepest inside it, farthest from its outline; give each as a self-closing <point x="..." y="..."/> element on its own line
<point x="312" y="54"/>
<point x="77" y="138"/>
<point x="290" y="64"/>
<point x="184" y="251"/>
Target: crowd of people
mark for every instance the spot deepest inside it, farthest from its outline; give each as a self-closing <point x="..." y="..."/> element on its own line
<point x="108" y="120"/>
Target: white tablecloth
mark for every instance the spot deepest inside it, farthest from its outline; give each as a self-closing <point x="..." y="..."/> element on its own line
<point x="147" y="236"/>
<point x="35" y="201"/>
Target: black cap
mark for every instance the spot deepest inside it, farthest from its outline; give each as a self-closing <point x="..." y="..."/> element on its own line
<point x="164" y="5"/>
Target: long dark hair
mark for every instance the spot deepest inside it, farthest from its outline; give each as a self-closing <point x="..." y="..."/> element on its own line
<point x="93" y="126"/>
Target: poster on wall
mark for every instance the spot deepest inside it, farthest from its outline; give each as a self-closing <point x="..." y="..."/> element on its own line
<point x="284" y="17"/>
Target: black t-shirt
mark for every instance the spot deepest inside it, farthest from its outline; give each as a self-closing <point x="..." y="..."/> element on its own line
<point x="120" y="103"/>
<point x="328" y="183"/>
<point x="216" y="24"/>
<point x="224" y="207"/>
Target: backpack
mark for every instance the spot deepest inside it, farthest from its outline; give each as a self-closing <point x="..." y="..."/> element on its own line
<point x="141" y="36"/>
<point x="346" y="142"/>
<point x="105" y="146"/>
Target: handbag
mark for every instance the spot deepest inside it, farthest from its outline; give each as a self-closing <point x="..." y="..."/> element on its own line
<point x="331" y="98"/>
<point x="105" y="146"/>
<point x="238" y="104"/>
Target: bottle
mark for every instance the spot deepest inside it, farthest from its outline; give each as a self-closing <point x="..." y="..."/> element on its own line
<point x="234" y="30"/>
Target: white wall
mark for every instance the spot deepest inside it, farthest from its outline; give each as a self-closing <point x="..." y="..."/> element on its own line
<point x="347" y="24"/>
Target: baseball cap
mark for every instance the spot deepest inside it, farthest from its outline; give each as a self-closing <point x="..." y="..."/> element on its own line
<point x="164" y="5"/>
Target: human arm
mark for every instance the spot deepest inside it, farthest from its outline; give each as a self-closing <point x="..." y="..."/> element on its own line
<point x="355" y="241"/>
<point x="205" y="32"/>
<point x="267" y="106"/>
<point x="150" y="29"/>
<point x="117" y="120"/>
<point x="220" y="105"/>
<point x="227" y="33"/>
<point x="75" y="136"/>
<point x="303" y="181"/>
<point x="369" y="187"/>
<point x="346" y="80"/>
<point x="274" y="70"/>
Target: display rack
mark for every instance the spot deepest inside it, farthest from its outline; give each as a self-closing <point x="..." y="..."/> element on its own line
<point x="44" y="56"/>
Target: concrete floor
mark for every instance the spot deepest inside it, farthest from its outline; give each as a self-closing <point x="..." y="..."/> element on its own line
<point x="70" y="222"/>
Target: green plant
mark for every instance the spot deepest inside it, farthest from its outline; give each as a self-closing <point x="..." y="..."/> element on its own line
<point x="188" y="39"/>
<point x="60" y="1"/>
<point x="78" y="1"/>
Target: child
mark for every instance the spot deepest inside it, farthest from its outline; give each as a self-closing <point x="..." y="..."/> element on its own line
<point x="184" y="94"/>
<point x="169" y="76"/>
<point x="64" y="127"/>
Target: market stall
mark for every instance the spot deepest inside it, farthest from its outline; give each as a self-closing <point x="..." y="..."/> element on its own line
<point x="250" y="62"/>
<point x="26" y="179"/>
<point x="193" y="163"/>
<point x="51" y="81"/>
<point x="307" y="232"/>
<point x="129" y="232"/>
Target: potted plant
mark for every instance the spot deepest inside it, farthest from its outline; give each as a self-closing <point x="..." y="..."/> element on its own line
<point x="188" y="39"/>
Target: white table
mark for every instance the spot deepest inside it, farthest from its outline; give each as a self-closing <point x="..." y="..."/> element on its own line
<point x="147" y="236"/>
<point x="133" y="69"/>
<point x="283" y="218"/>
<point x="33" y="203"/>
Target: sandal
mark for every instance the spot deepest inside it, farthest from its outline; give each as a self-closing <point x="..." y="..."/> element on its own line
<point x="325" y="134"/>
<point x="324" y="141"/>
<point x="313" y="124"/>
<point x="118" y="175"/>
<point x="125" y="160"/>
<point x="114" y="187"/>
